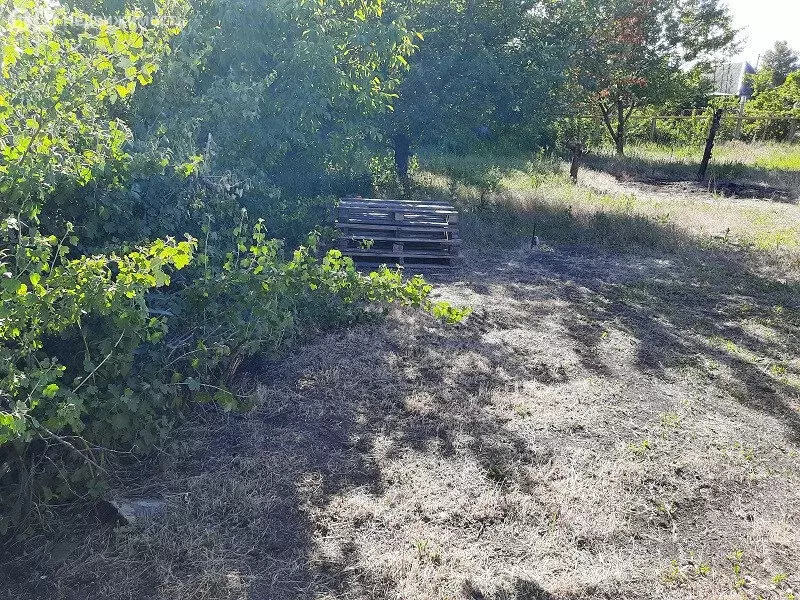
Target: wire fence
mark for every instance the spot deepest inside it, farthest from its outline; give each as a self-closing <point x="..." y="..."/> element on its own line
<point x="692" y="129"/>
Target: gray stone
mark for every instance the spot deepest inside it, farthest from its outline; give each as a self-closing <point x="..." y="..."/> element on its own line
<point x="128" y="510"/>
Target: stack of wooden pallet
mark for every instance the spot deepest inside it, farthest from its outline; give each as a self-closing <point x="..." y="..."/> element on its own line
<point x="404" y="232"/>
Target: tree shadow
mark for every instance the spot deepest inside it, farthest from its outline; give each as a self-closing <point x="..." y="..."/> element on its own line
<point x="243" y="491"/>
<point x="520" y="589"/>
<point x="246" y="493"/>
<point x="683" y="302"/>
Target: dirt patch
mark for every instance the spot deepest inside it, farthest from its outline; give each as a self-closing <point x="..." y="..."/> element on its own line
<point x="728" y="189"/>
<point x="676" y="189"/>
<point x="603" y="426"/>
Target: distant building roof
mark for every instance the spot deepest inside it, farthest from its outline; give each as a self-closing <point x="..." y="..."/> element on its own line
<point x="729" y="79"/>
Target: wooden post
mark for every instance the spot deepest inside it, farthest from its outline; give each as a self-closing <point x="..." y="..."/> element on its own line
<point x="738" y="133"/>
<point x="712" y="134"/>
<point x="402" y="157"/>
<point x="792" y="131"/>
<point x="577" y="152"/>
<point x="653" y="129"/>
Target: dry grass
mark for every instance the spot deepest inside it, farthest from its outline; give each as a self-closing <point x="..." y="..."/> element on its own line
<point x="611" y="422"/>
<point x="771" y="161"/>
<point x="766" y="165"/>
<point x="644" y="202"/>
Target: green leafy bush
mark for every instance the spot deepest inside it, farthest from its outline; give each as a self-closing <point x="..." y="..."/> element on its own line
<point x="249" y="300"/>
<point x="86" y="357"/>
<point x="50" y="302"/>
<point x="110" y="326"/>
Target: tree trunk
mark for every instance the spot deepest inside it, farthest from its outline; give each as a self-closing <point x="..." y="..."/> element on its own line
<point x="617" y="132"/>
<point x="619" y="139"/>
<point x="712" y="134"/>
<point x="402" y="156"/>
<point x="575" y="164"/>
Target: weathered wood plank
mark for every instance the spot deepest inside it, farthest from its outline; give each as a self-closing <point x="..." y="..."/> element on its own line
<point x="418" y="222"/>
<point x="377" y="201"/>
<point x="400" y="253"/>
<point x="420" y="209"/>
<point x="422" y="234"/>
<point x="415" y="240"/>
<point x="395" y="204"/>
<point x="407" y="214"/>
<point x="383" y="227"/>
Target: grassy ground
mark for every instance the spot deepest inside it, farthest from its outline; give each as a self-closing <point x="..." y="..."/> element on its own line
<point x="617" y="419"/>
<point x="771" y="170"/>
<point x="737" y="155"/>
<point x="648" y="200"/>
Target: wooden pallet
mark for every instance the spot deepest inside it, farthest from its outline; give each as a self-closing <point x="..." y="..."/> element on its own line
<point x="403" y="232"/>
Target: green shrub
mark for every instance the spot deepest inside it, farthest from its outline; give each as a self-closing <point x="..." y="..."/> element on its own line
<point x="105" y="337"/>
<point x="87" y="362"/>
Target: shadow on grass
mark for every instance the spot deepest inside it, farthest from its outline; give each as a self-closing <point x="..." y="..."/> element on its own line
<point x="246" y="493"/>
<point x="696" y="315"/>
<point x="256" y="503"/>
<point x="521" y="589"/>
<point x="684" y="302"/>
